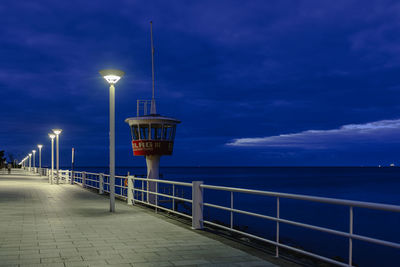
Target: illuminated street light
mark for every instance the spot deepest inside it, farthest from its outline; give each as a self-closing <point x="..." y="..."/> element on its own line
<point x="52" y="136"/>
<point x="112" y="77"/>
<point x="22" y="163"/>
<point x="40" y="157"/>
<point x="34" y="163"/>
<point x="57" y="132"/>
<point x="30" y="160"/>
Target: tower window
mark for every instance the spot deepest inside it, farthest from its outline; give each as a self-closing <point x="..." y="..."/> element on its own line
<point x="135" y="132"/>
<point x="167" y="132"/>
<point x="144" y="131"/>
<point x="156" y="130"/>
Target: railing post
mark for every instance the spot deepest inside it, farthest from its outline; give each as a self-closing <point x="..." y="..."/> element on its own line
<point x="197" y="205"/>
<point x="156" y="197"/>
<point x="142" y="190"/>
<point x="351" y="239"/>
<point x="231" y="209"/>
<point x="101" y="184"/>
<point x="277" y="226"/>
<point x="84" y="179"/>
<point x="147" y="188"/>
<point x="173" y="199"/>
<point x="72" y="177"/>
<point x="131" y="199"/>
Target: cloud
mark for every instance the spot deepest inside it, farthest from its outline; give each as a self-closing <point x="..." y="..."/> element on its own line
<point x="385" y="131"/>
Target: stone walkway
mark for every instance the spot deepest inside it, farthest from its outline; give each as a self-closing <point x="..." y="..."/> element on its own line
<point x="65" y="225"/>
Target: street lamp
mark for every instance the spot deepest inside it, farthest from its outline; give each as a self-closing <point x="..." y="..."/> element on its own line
<point x="40" y="158"/>
<point x="34" y="164"/>
<point x="112" y="77"/>
<point x="30" y="160"/>
<point x="57" y="132"/>
<point x="52" y="136"/>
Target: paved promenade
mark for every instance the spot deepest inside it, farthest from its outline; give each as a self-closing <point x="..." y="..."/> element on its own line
<point x="65" y="225"/>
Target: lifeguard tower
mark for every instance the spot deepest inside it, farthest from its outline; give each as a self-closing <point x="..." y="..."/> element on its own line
<point x="152" y="134"/>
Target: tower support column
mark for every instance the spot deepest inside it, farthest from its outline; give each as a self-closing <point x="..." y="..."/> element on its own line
<point x="153" y="170"/>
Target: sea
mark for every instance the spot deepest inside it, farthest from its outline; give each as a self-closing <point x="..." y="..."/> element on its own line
<point x="372" y="184"/>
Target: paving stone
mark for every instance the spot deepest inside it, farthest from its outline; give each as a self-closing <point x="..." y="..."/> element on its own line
<point x="51" y="260"/>
<point x="43" y="265"/>
<point x="189" y="262"/>
<point x="153" y="264"/>
<point x="97" y="263"/>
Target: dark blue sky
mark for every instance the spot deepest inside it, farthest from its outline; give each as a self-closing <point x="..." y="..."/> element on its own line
<point x="254" y="82"/>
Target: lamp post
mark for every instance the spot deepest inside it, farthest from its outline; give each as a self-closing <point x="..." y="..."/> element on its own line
<point x="57" y="132"/>
<point x="23" y="163"/>
<point x="34" y="163"/>
<point x="30" y="160"/>
<point x="40" y="158"/>
<point x="52" y="136"/>
<point x="112" y="77"/>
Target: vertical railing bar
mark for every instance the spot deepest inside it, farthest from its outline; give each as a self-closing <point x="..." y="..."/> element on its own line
<point x="147" y="189"/>
<point x="173" y="199"/>
<point x="231" y="209"/>
<point x="350" y="239"/>
<point x="133" y="191"/>
<point x="277" y="226"/>
<point x="142" y="190"/>
<point x="156" y="197"/>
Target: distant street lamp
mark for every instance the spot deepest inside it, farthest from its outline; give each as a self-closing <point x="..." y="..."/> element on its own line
<point x="52" y="136"/>
<point x="40" y="158"/>
<point x="34" y="163"/>
<point x="57" y="132"/>
<point x="112" y="77"/>
<point x="30" y="160"/>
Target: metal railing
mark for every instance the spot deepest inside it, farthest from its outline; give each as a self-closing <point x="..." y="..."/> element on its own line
<point x="349" y="203"/>
<point x="139" y="190"/>
<point x="64" y="175"/>
<point x="142" y="194"/>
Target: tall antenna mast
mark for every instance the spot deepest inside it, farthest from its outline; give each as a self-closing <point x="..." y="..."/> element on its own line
<point x="153" y="101"/>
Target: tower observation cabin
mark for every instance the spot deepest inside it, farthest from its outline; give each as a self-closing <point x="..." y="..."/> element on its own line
<point x="152" y="134"/>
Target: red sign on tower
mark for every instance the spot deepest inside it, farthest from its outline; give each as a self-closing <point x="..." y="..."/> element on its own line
<point x="152" y="147"/>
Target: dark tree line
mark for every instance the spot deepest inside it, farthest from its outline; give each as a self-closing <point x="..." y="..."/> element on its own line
<point x="3" y="160"/>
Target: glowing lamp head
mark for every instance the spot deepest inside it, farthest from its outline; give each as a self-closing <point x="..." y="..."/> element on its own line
<point x="52" y="136"/>
<point x="33" y="151"/>
<point x="30" y="154"/>
<point x="40" y="146"/>
<point x="57" y="131"/>
<point x="112" y="76"/>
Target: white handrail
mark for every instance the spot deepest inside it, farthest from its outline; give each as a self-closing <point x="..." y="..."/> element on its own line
<point x="344" y="202"/>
